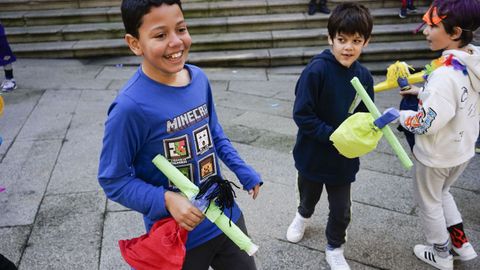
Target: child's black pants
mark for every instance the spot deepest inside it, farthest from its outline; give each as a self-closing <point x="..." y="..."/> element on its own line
<point x="339" y="202"/>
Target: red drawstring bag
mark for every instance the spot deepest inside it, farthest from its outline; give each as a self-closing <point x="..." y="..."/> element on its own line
<point x="162" y="248"/>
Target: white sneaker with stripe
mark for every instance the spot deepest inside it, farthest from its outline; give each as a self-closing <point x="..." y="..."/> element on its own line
<point x="428" y="255"/>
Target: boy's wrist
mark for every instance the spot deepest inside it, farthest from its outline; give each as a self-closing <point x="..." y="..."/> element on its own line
<point x="167" y="197"/>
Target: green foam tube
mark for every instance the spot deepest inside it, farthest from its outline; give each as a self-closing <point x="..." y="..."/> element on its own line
<point x="186" y="186"/>
<point x="214" y="214"/>
<point x="391" y="138"/>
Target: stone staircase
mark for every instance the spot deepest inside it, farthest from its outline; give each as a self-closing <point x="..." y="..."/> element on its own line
<point x="225" y="32"/>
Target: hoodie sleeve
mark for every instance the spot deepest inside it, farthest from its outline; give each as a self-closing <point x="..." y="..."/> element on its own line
<point x="247" y="176"/>
<point x="436" y="105"/>
<point x="125" y="131"/>
<point x="308" y="88"/>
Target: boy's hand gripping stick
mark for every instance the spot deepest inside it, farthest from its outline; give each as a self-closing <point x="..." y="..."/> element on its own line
<point x="391" y="138"/>
<point x="214" y="214"/>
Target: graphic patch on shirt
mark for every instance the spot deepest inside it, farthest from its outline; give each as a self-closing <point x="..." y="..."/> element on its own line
<point x="177" y="150"/>
<point x="206" y="167"/>
<point x="203" y="139"/>
<point x="421" y="122"/>
<point x="186" y="170"/>
<point x="187" y="119"/>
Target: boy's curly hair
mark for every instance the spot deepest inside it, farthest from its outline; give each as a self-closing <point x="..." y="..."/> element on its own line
<point x="464" y="14"/>
<point x="134" y="10"/>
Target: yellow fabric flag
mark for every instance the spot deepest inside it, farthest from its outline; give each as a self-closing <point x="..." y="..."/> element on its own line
<point x="356" y="136"/>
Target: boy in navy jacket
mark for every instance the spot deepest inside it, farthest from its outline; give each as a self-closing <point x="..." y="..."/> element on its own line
<point x="324" y="99"/>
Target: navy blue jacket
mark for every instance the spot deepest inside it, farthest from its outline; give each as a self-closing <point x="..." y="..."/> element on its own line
<point x="323" y="98"/>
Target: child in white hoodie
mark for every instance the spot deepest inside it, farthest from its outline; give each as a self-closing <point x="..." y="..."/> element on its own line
<point x="446" y="127"/>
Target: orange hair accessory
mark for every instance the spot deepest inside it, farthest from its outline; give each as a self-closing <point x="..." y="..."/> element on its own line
<point x="431" y="16"/>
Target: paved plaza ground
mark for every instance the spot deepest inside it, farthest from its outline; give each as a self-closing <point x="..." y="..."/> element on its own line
<point x="54" y="215"/>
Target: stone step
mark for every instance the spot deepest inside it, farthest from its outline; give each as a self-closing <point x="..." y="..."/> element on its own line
<point x="238" y="33"/>
<point x="19" y="5"/>
<point x="376" y="68"/>
<point x="380" y="51"/>
<point x="376" y="52"/>
<point x="215" y="26"/>
<point x="207" y="42"/>
<point x="216" y="11"/>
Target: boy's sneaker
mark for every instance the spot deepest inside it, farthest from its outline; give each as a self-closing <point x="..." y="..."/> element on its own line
<point x="297" y="228"/>
<point x="477" y="147"/>
<point x="335" y="259"/>
<point x="9" y="85"/>
<point x="412" y="8"/>
<point x="402" y="13"/>
<point x="312" y="8"/>
<point x="464" y="253"/>
<point x="428" y="255"/>
<point x="322" y="8"/>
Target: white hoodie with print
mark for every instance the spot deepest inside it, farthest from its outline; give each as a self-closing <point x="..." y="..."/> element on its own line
<point x="446" y="125"/>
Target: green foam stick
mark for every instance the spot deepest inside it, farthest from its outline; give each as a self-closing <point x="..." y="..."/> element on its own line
<point x="214" y="214"/>
<point x="391" y="138"/>
<point x="189" y="189"/>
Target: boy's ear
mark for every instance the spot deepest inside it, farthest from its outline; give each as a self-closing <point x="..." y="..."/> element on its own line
<point x="457" y="32"/>
<point x="133" y="44"/>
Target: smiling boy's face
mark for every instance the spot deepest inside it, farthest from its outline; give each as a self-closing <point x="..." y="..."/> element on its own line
<point x="163" y="41"/>
<point x="347" y="48"/>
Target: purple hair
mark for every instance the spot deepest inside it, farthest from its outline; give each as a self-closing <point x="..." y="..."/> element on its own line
<point x="459" y="13"/>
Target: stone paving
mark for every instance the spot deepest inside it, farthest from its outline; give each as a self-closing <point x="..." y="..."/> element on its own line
<point x="54" y="214"/>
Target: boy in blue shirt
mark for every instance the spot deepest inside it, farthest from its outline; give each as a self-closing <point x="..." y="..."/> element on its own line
<point x="167" y="108"/>
<point x="324" y="99"/>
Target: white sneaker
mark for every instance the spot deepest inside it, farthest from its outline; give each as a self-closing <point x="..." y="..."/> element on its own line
<point x="428" y="255"/>
<point x="297" y="228"/>
<point x="9" y="85"/>
<point x="336" y="260"/>
<point x="464" y="253"/>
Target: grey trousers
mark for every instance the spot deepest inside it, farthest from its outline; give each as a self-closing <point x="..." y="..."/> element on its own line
<point x="438" y="209"/>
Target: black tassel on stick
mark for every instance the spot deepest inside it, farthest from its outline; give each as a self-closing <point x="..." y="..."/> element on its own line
<point x="220" y="190"/>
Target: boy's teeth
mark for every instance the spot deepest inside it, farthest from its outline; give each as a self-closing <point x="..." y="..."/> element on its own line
<point x="175" y="55"/>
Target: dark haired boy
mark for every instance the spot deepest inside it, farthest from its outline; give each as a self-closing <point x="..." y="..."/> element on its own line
<point x="167" y="108"/>
<point x="324" y="99"/>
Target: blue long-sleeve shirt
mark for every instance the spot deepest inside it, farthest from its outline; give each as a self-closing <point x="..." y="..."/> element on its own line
<point x="149" y="118"/>
<point x="323" y="97"/>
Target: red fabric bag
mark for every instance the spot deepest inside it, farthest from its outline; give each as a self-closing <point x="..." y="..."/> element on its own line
<point x="162" y="248"/>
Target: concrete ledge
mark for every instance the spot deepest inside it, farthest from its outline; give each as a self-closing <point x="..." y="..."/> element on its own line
<point x="375" y="52"/>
